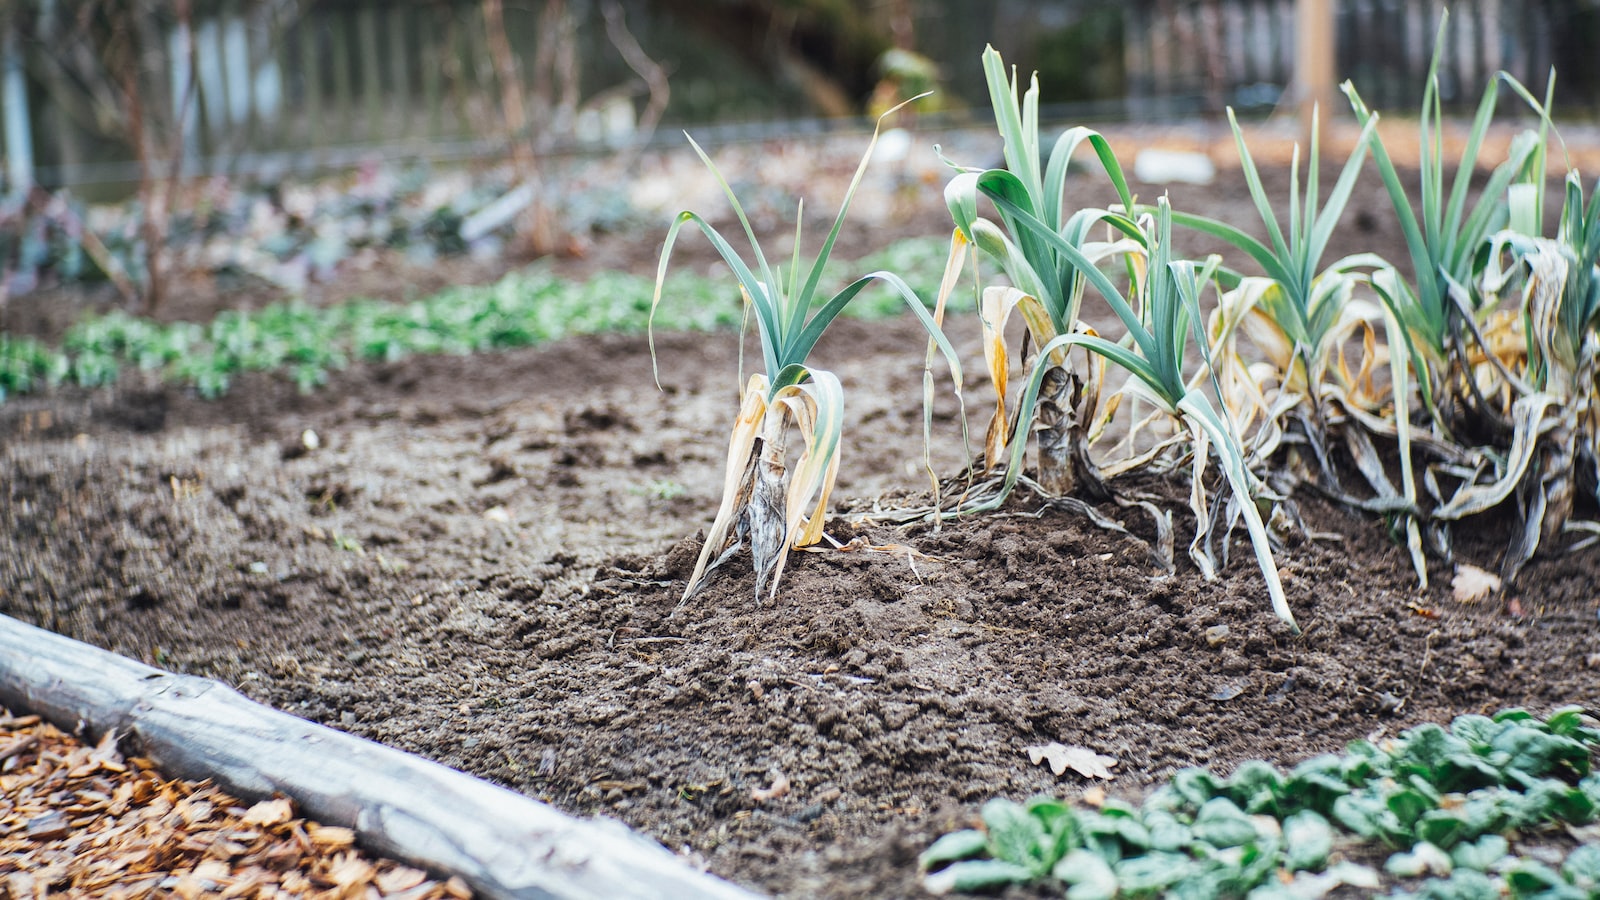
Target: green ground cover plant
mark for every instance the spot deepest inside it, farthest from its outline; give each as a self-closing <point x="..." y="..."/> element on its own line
<point x="307" y="344"/>
<point x="1435" y="801"/>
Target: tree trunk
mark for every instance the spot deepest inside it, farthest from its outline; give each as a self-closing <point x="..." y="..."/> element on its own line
<point x="124" y="62"/>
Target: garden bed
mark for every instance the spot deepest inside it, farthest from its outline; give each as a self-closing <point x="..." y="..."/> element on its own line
<point x="479" y="560"/>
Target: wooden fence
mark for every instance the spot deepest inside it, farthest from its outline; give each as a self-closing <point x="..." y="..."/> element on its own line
<point x="296" y="84"/>
<point x="1203" y="54"/>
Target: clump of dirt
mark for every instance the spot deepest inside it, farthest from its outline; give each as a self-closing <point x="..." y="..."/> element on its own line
<point x="480" y="560"/>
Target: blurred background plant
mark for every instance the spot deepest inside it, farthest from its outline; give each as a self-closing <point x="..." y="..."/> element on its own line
<point x="308" y="344"/>
<point x="288" y="234"/>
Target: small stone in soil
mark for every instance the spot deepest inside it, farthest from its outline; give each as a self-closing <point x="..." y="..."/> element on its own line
<point x="810" y="813"/>
<point x="1228" y="691"/>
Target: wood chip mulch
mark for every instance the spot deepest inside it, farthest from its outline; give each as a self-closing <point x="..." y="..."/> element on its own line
<point x="85" y="822"/>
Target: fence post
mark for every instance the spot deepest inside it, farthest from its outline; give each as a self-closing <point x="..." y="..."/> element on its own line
<point x="19" y="131"/>
<point x="1314" y="36"/>
<point x="371" y="84"/>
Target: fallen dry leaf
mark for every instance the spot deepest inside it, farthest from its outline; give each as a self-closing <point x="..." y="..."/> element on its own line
<point x="1472" y="584"/>
<point x="213" y="870"/>
<point x="400" y="878"/>
<point x="270" y="812"/>
<point x="1082" y="760"/>
<point x="188" y="887"/>
<point x="349" y="869"/>
<point x="330" y="837"/>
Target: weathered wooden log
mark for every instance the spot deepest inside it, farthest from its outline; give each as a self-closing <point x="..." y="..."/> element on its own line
<point x="503" y="844"/>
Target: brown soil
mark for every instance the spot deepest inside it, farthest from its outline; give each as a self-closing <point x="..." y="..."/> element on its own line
<point x="481" y="560"/>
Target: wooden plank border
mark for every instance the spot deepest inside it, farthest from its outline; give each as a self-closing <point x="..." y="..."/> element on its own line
<point x="505" y="845"/>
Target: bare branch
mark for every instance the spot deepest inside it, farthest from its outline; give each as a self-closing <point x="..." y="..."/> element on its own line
<point x="653" y="73"/>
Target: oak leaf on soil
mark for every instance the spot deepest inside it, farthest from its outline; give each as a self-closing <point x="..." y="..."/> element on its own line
<point x="1472" y="584"/>
<point x="1082" y="760"/>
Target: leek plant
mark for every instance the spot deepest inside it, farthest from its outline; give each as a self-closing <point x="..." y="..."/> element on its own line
<point x="1046" y="287"/>
<point x="1443" y="239"/>
<point x="765" y="503"/>
<point x="1160" y="331"/>
<point x="1300" y="317"/>
<point x="1552" y="289"/>
<point x="1485" y="365"/>
<point x="1050" y="257"/>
